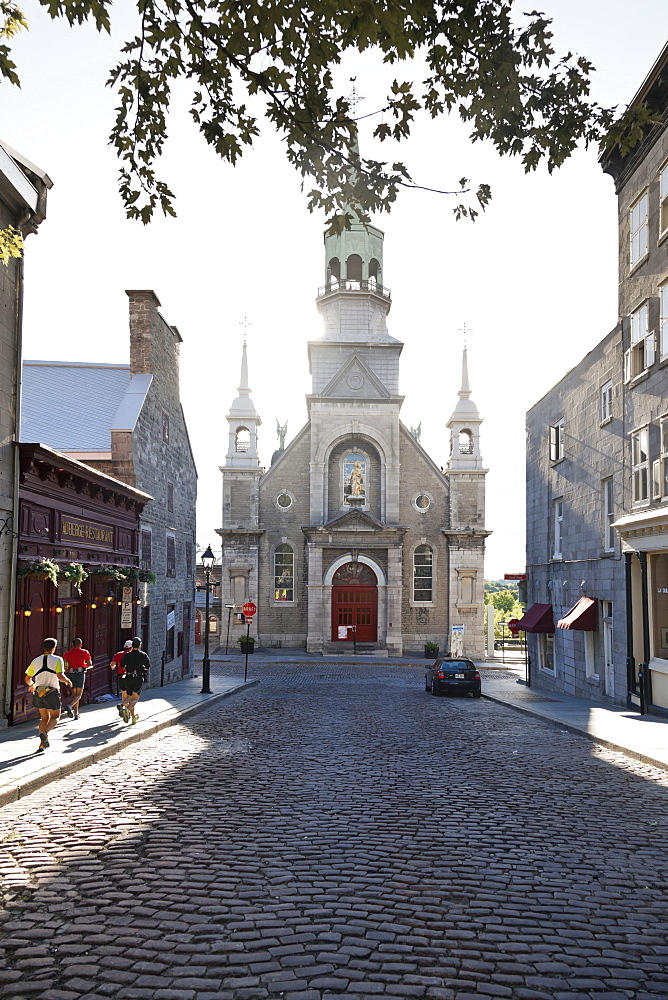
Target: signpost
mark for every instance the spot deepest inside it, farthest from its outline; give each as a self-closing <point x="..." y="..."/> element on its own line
<point x="249" y="610"/>
<point x="514" y="576"/>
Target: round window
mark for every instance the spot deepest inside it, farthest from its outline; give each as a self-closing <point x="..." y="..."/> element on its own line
<point x="284" y="500"/>
<point x="422" y="502"/>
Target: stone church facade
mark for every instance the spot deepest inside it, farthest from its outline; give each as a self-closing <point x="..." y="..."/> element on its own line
<point x="354" y="534"/>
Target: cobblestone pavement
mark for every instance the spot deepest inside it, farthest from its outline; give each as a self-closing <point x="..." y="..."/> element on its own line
<point x="337" y="832"/>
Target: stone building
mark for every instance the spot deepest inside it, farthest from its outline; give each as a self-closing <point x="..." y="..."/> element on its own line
<point x="23" y="192"/>
<point x="597" y="484"/>
<point x="354" y="534"/>
<point x="127" y="421"/>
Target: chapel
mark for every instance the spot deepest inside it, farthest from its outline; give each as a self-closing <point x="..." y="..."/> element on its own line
<point x="355" y="537"/>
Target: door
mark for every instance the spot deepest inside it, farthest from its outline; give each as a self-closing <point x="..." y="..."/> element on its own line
<point x="185" y="658"/>
<point x="607" y="652"/>
<point x="354" y="604"/>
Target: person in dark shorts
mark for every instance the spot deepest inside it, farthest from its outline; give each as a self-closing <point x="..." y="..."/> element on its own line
<point x="77" y="662"/>
<point x="116" y="664"/>
<point x="136" y="665"/>
<point x="44" y="676"/>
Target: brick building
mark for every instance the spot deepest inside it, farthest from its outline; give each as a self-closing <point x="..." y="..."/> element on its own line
<point x="127" y="421"/>
<point x="597" y="462"/>
<point x="354" y="532"/>
<point x="23" y="192"/>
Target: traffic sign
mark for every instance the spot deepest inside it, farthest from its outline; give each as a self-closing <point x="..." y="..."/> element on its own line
<point x="249" y="609"/>
<point x="512" y="624"/>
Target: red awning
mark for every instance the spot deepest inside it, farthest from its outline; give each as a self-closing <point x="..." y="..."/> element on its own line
<point x="583" y="616"/>
<point x="538" y="618"/>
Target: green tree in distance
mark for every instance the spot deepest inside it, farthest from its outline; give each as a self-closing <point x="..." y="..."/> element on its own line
<point x="499" y="73"/>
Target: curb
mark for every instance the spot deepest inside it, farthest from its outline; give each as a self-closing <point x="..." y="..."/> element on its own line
<point x="20" y="789"/>
<point x="643" y="758"/>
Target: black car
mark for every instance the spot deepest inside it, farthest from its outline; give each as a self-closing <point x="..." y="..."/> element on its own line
<point x="453" y="675"/>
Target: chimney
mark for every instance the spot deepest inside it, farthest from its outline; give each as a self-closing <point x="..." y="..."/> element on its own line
<point x="144" y="305"/>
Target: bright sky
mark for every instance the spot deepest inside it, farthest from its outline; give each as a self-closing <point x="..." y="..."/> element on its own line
<point x="534" y="279"/>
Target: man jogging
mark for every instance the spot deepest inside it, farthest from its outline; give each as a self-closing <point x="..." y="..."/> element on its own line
<point x="77" y="662"/>
<point x="116" y="665"/>
<point x="136" y="665"/>
<point x="44" y="676"/>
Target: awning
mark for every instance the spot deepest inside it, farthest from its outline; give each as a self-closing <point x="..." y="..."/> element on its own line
<point x="583" y="616"/>
<point x="538" y="618"/>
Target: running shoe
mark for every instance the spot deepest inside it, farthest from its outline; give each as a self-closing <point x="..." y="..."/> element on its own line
<point x="43" y="741"/>
<point x="135" y="718"/>
<point x="125" y="715"/>
<point x="76" y="716"/>
<point x="119" y="709"/>
<point x="68" y="711"/>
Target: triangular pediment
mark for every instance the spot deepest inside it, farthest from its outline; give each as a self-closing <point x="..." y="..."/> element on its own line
<point x="354" y="520"/>
<point x="355" y="380"/>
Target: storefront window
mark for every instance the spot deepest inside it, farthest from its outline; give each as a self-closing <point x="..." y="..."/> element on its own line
<point x="660" y="604"/>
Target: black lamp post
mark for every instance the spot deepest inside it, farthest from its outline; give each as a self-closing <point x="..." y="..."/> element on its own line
<point x="207" y="560"/>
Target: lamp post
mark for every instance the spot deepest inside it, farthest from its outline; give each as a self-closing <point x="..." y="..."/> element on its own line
<point x="207" y="560"/>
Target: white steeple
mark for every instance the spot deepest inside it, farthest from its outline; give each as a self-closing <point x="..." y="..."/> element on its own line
<point x="464" y="425"/>
<point x="243" y="422"/>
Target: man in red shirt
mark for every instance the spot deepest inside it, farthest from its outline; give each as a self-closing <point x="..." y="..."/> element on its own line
<point x="117" y="665"/>
<point x="77" y="662"/>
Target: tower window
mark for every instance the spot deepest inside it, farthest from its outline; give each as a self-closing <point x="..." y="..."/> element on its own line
<point x="354" y="479"/>
<point x="465" y="442"/>
<point x="374" y="269"/>
<point x="335" y="268"/>
<point x="284" y="572"/>
<point x="354" y="267"/>
<point x="423" y="573"/>
<point x="242" y="439"/>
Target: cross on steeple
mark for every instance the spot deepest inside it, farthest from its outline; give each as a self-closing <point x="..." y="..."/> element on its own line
<point x="464" y="329"/>
<point x="353" y="97"/>
<point x="245" y="322"/>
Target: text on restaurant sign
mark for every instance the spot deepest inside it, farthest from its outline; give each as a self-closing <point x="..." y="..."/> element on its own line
<point x="89" y="532"/>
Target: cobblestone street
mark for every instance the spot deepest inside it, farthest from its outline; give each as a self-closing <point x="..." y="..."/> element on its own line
<point x="337" y="832"/>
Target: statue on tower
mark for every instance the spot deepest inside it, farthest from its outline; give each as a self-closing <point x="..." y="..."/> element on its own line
<point x="417" y="431"/>
<point x="281" y="431"/>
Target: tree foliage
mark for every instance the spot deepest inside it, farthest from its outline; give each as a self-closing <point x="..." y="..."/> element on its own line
<point x="11" y="244"/>
<point x="502" y="77"/>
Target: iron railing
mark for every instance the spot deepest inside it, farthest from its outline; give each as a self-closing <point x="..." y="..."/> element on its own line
<point x="354" y="285"/>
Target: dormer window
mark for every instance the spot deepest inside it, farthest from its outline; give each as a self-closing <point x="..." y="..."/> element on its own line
<point x="242" y="439"/>
<point x="354" y="480"/>
<point x="465" y="442"/>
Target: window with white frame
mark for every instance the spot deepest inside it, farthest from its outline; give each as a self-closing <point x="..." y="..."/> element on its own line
<point x="638" y="234"/>
<point x="656" y="479"/>
<point x="640" y="464"/>
<point x="284" y="573"/>
<point x="663" y="199"/>
<point x="590" y="655"/>
<point x="664" y="456"/>
<point x="606" y="401"/>
<point x="557" y="441"/>
<point x="663" y="320"/>
<point x="546" y="653"/>
<point x="608" y="516"/>
<point x="423" y="574"/>
<point x="558" y="528"/>
<point x="640" y="354"/>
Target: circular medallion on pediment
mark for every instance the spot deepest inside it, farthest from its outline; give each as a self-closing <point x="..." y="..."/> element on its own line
<point x="355" y="380"/>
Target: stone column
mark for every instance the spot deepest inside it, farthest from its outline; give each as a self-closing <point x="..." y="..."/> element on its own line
<point x="394" y="573"/>
<point x="318" y="619"/>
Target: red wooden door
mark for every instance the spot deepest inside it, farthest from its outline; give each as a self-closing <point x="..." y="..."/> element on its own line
<point x="354" y="604"/>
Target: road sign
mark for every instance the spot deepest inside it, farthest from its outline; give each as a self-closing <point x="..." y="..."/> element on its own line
<point x="514" y="576"/>
<point x="512" y="624"/>
<point x="249" y="609"/>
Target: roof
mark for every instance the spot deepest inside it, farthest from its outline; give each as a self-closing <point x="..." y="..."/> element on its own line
<point x="74" y="406"/>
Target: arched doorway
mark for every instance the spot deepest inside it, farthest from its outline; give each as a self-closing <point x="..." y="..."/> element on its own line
<point x="354" y="603"/>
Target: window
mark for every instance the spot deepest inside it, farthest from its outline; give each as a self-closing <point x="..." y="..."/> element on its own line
<point x="546" y="653"/>
<point x="465" y="442"/>
<point x="423" y="574"/>
<point x="165" y="428"/>
<point x="145" y="628"/>
<point x="640" y="463"/>
<point x="664" y="456"/>
<point x="638" y="235"/>
<point x="656" y="480"/>
<point x="242" y="439"/>
<point x="189" y="560"/>
<point x="354" y="267"/>
<point x="590" y="655"/>
<point x="170" y="629"/>
<point x="663" y="320"/>
<point x="284" y="573"/>
<point x="640" y="355"/>
<point x="557" y="441"/>
<point x="145" y="549"/>
<point x="171" y="557"/>
<point x="558" y="526"/>
<point x="284" y="500"/>
<point x="335" y="269"/>
<point x="663" y="199"/>
<point x="606" y="401"/>
<point x="422" y="502"/>
<point x="354" y="479"/>
<point x="170" y="497"/>
<point x="608" y="516"/>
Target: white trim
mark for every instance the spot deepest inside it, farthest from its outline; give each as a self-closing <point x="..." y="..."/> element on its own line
<point x="286" y="493"/>
<point x="342" y="560"/>
<point x="422" y="493"/>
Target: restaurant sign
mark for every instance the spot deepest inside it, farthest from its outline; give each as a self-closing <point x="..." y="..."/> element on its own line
<point x="86" y="531"/>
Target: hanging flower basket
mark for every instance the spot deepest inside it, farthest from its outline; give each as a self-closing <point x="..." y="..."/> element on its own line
<point x="40" y="569"/>
<point x="130" y="574"/>
<point x="105" y="572"/>
<point x="72" y="573"/>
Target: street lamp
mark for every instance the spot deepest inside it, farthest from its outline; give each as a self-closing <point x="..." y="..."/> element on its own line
<point x="207" y="560"/>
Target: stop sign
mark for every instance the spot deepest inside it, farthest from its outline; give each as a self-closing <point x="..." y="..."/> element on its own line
<point x="512" y="625"/>
<point x="249" y="609"/>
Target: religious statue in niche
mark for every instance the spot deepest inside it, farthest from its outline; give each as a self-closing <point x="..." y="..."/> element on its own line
<point x="354" y="480"/>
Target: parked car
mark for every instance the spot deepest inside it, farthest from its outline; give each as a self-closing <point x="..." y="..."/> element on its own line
<point x="453" y="675"/>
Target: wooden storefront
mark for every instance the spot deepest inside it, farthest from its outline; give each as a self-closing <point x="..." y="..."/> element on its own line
<point x="72" y="514"/>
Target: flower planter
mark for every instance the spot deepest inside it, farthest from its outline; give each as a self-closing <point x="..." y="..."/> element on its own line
<point x="248" y="647"/>
<point x="430" y="652"/>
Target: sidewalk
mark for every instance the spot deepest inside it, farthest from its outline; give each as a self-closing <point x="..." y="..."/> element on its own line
<point x="643" y="737"/>
<point x="99" y="733"/>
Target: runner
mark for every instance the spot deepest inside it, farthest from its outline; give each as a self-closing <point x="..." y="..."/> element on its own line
<point x="43" y="677"/>
<point x="77" y="662"/>
<point x="116" y="665"/>
<point x="136" y="664"/>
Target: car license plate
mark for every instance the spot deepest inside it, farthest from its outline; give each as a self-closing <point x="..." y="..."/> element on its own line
<point x="460" y="677"/>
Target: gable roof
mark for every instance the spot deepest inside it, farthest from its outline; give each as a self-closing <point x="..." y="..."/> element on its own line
<point x="74" y="406"/>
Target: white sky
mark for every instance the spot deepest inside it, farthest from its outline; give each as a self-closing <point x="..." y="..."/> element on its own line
<point x="534" y="278"/>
